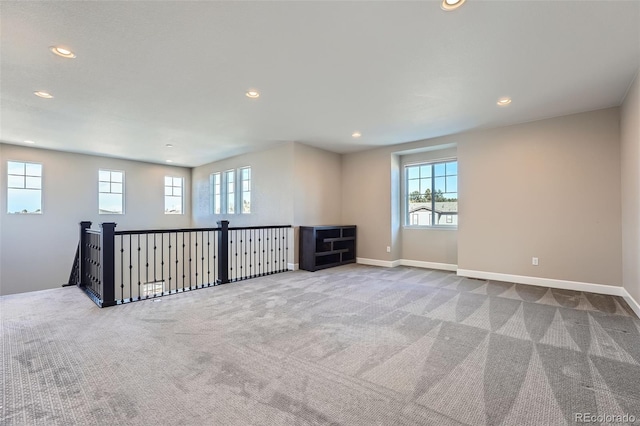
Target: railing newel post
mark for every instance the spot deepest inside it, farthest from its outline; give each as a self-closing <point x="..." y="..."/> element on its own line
<point x="223" y="252"/>
<point x="84" y="225"/>
<point x="107" y="263"/>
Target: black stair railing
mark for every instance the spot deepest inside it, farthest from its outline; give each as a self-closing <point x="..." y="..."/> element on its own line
<point x="116" y="267"/>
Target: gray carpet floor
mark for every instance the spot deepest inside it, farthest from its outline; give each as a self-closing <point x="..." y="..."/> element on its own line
<point x="353" y="345"/>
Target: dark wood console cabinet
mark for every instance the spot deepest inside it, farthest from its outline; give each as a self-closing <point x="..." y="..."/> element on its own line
<point x="327" y="246"/>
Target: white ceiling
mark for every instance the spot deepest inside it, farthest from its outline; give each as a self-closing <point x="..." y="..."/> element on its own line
<point x="152" y="73"/>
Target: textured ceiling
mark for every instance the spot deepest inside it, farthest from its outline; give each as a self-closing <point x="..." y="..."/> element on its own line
<point x="152" y="73"/>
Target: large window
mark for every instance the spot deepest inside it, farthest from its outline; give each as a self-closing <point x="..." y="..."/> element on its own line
<point x="431" y="194"/>
<point x="245" y="179"/>
<point x="24" y="188"/>
<point x="230" y="191"/>
<point x="216" y="193"/>
<point x="110" y="192"/>
<point x="172" y="195"/>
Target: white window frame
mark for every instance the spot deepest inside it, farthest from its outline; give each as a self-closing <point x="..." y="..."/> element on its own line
<point x="111" y="182"/>
<point x="172" y="189"/>
<point x="408" y="220"/>
<point x="232" y="191"/>
<point x="25" y="186"/>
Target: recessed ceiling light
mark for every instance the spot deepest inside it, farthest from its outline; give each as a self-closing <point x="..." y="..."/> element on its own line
<point x="252" y="94"/>
<point x="30" y="142"/>
<point x="450" y="5"/>
<point x="169" y="161"/>
<point x="169" y="145"/>
<point x="356" y="134"/>
<point x="504" y="101"/>
<point x="61" y="51"/>
<point x="44" y="95"/>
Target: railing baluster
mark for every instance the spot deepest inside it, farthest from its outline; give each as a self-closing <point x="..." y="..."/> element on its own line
<point x="202" y="263"/>
<point x="259" y="253"/>
<point x="216" y="254"/>
<point x="250" y="253"/>
<point x="169" y="265"/>
<point x="146" y="250"/>
<point x="130" y="268"/>
<point x="121" y="268"/>
<point x="230" y="248"/>
<point x="155" y="264"/>
<point x="162" y="262"/>
<point x="234" y="252"/>
<point x="279" y="252"/>
<point x="177" y="265"/>
<point x="197" y="273"/>
<point x="241" y="270"/>
<point x="190" y="272"/>
<point x="138" y="268"/>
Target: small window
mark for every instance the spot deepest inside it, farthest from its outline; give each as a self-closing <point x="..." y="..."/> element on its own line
<point x="110" y="192"/>
<point x="245" y="180"/>
<point x="231" y="193"/>
<point x="24" y="188"/>
<point x="431" y="194"/>
<point x="216" y="193"/>
<point x="152" y="289"/>
<point x="172" y="195"/>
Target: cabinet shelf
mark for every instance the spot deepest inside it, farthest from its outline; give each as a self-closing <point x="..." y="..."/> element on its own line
<point x="327" y="246"/>
<point x="326" y="253"/>
<point x="329" y="240"/>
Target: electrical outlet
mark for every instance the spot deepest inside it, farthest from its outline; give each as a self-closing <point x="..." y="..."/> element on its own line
<point x="534" y="261"/>
<point x="388" y="249"/>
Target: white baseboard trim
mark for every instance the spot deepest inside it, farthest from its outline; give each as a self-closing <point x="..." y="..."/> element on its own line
<point x="293" y="266"/>
<point x="545" y="282"/>
<point x="429" y="265"/>
<point x="376" y="262"/>
<point x="633" y="304"/>
<point x="406" y="262"/>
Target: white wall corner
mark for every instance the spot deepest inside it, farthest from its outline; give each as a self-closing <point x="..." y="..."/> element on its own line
<point x="293" y="266"/>
<point x="545" y="282"/>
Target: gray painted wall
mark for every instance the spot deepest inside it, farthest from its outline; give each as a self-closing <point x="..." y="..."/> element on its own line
<point x="292" y="184"/>
<point x="317" y="183"/>
<point x="532" y="189"/>
<point x="630" y="172"/>
<point x="37" y="250"/>
<point x="549" y="189"/>
<point x="272" y="189"/>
